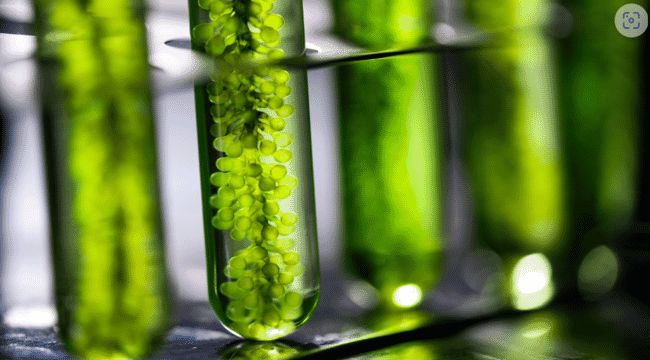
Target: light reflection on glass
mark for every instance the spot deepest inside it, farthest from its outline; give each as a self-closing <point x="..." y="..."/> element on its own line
<point x="245" y="350"/>
<point x="363" y="294"/>
<point x="531" y="284"/>
<point x="407" y="295"/>
<point x="598" y="272"/>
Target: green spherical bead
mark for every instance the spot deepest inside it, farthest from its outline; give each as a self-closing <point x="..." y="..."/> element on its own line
<point x="285" y="111"/>
<point x="290" y="181"/>
<point x="220" y="143"/>
<point x="238" y="166"/>
<point x="270" y="270"/>
<point x="276" y="54"/>
<point x="285" y="278"/>
<point x="254" y="9"/>
<point x="246" y="200"/>
<point x="271" y="208"/>
<point x="237" y="263"/>
<point x="249" y="140"/>
<point x="292" y="300"/>
<point x="220" y="224"/>
<point x="218" y="7"/>
<point x="234" y="149"/>
<point x="232" y="80"/>
<point x="205" y="4"/>
<point x="296" y="270"/>
<point x="219" y="202"/>
<point x="283" y="139"/>
<point x="229" y="288"/>
<point x="219" y="178"/>
<point x="269" y="232"/>
<point x="267" y="147"/>
<point x="218" y="111"/>
<point x="262" y="71"/>
<point x="237" y="234"/>
<point x="278" y="172"/>
<point x="256" y="330"/>
<point x="282" y="155"/>
<point x="286" y="230"/>
<point x="291" y="258"/>
<point x="222" y="98"/>
<point x="280" y="76"/>
<point x="231" y="25"/>
<point x="225" y="164"/>
<point x="227" y="193"/>
<point x="203" y="32"/>
<point x="276" y="291"/>
<point x="245" y="283"/>
<point x="283" y="91"/>
<point x="254" y="170"/>
<point x="269" y="35"/>
<point x="259" y="253"/>
<point x="278" y="124"/>
<point x="274" y="21"/>
<point x="276" y="103"/>
<point x="225" y="214"/>
<point x="271" y="318"/>
<point x="215" y="131"/>
<point x="239" y="100"/>
<point x="243" y="223"/>
<point x="215" y="46"/>
<point x="284" y="244"/>
<point x="289" y="219"/>
<point x="267" y="87"/>
<point x="250" y="301"/>
<point x="237" y="181"/>
<point x="282" y="192"/>
<point x="267" y="184"/>
<point x="235" y="311"/>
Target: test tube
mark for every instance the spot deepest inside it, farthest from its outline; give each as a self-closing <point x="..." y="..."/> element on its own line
<point x="512" y="150"/>
<point x="111" y="285"/>
<point x="600" y="108"/>
<point x="256" y="168"/>
<point x="390" y="150"/>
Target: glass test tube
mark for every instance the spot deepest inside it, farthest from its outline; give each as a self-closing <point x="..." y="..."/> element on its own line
<point x="600" y="73"/>
<point x="256" y="168"/>
<point x="112" y="294"/>
<point x="390" y="151"/>
<point x="513" y="154"/>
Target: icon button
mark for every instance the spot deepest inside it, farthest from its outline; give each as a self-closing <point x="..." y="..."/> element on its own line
<point x="631" y="20"/>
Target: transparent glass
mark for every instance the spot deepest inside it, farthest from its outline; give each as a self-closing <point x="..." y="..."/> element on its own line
<point x="256" y="168"/>
<point x="514" y="159"/>
<point x="389" y="145"/>
<point x="390" y="150"/>
<point x="111" y="284"/>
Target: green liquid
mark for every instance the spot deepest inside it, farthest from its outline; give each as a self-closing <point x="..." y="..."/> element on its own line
<point x="111" y="284"/>
<point x="599" y="105"/>
<point x="514" y="159"/>
<point x="256" y="170"/>
<point x="390" y="163"/>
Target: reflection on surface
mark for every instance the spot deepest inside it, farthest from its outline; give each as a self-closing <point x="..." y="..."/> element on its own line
<point x="390" y="322"/>
<point x="418" y="350"/>
<point x="253" y="350"/>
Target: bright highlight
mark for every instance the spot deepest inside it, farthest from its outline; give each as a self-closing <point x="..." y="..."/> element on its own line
<point x="407" y="296"/>
<point x="531" y="282"/>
